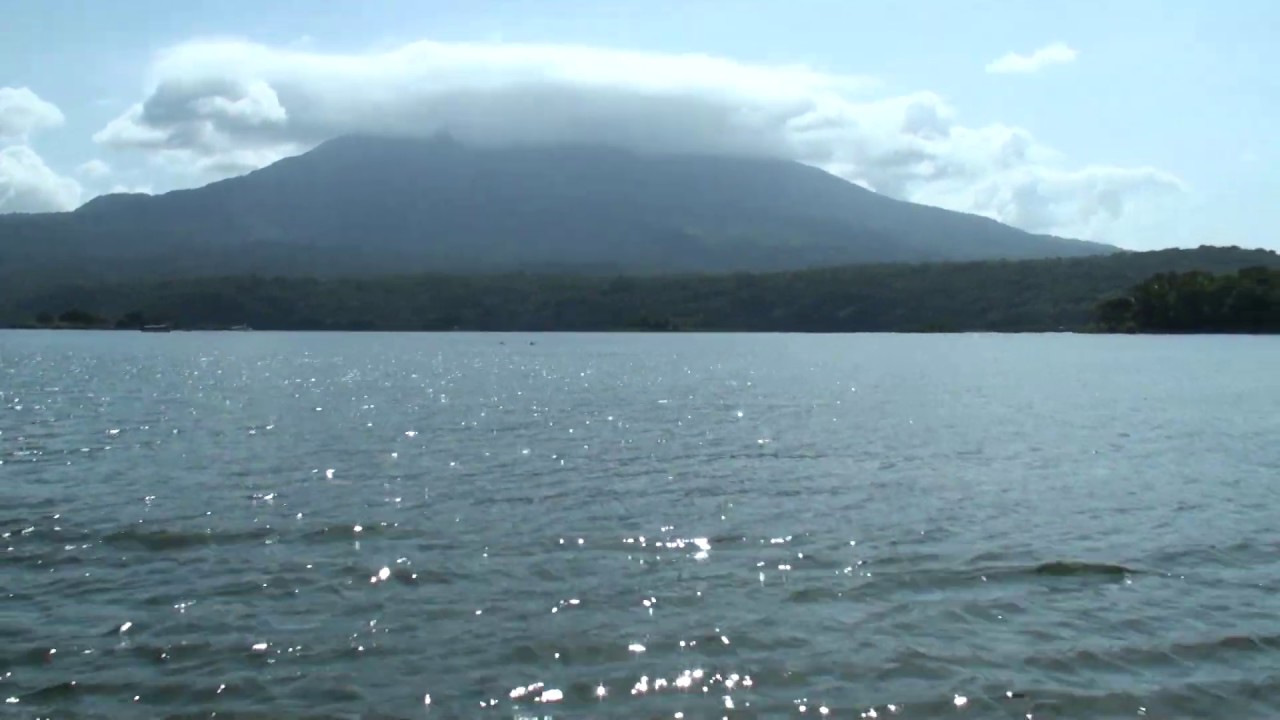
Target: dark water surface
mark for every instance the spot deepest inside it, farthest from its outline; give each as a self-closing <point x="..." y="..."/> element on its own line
<point x="291" y="525"/>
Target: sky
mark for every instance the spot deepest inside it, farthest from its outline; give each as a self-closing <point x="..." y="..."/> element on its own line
<point x="1143" y="123"/>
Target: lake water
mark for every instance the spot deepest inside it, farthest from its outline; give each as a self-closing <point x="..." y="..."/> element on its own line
<point x="638" y="526"/>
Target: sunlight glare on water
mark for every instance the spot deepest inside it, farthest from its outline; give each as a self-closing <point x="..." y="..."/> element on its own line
<point x="638" y="526"/>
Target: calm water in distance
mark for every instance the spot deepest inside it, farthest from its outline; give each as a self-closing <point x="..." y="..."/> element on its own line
<point x="638" y="526"/>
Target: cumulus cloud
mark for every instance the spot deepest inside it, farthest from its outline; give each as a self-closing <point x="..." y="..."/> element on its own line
<point x="131" y="189"/>
<point x="22" y="113"/>
<point x="1087" y="200"/>
<point x="28" y="185"/>
<point x="1053" y="54"/>
<point x="224" y="107"/>
<point x="94" y="169"/>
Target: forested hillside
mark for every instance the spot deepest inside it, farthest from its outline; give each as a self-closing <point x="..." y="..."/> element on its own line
<point x="1034" y="295"/>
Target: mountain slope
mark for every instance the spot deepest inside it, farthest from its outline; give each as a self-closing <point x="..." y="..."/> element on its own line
<point x="367" y="205"/>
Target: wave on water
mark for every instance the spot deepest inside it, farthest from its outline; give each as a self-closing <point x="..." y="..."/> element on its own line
<point x="1079" y="568"/>
<point x="160" y="540"/>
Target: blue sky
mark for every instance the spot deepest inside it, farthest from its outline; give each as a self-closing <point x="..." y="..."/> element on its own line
<point x="1142" y="123"/>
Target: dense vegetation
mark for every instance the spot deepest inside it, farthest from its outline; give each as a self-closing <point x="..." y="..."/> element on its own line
<point x="1247" y="301"/>
<point x="1036" y="295"/>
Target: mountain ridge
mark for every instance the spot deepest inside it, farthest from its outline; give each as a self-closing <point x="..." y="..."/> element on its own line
<point x="378" y="205"/>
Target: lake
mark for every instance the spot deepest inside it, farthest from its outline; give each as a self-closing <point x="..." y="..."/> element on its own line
<point x="638" y="526"/>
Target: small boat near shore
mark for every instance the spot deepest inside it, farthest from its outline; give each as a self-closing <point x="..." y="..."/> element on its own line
<point x="156" y="328"/>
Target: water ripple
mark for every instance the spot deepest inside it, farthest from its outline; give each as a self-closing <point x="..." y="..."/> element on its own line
<point x="332" y="526"/>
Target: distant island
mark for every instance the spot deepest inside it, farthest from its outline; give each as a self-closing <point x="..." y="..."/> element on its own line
<point x="1203" y="290"/>
<point x="371" y="207"/>
<point x="367" y="233"/>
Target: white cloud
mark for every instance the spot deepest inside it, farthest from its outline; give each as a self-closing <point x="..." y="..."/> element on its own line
<point x="1053" y="54"/>
<point x="22" y="113"/>
<point x="94" y="169"/>
<point x="28" y="185"/>
<point x="1088" y="200"/>
<point x="132" y="189"/>
<point x="223" y="107"/>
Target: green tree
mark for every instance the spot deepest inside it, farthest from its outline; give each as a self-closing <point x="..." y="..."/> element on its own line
<point x="79" y="318"/>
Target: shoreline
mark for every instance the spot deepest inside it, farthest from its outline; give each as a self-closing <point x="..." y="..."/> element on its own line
<point x="631" y="331"/>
